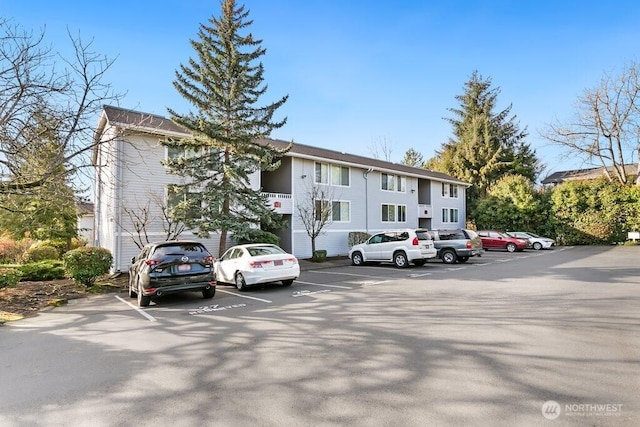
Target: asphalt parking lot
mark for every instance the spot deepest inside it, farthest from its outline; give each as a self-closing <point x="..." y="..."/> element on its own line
<point x="530" y="338"/>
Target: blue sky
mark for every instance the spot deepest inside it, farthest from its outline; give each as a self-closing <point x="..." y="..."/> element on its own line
<point x="365" y="73"/>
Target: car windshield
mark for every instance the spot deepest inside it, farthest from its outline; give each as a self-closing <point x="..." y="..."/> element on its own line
<point x="264" y="250"/>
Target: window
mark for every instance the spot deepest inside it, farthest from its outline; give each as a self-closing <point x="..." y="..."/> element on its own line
<point x="187" y="204"/>
<point x="402" y="213"/>
<point x="393" y="183"/>
<point x="450" y="190"/>
<point x="321" y="210"/>
<point x="388" y="213"/>
<point x="340" y="175"/>
<point x="449" y="215"/>
<point x="322" y="173"/>
<point x="340" y="211"/>
<point x="175" y="151"/>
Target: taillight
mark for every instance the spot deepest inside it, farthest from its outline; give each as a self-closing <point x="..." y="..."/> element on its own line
<point x="258" y="264"/>
<point x="209" y="258"/>
<point x="152" y="262"/>
<point x="415" y="241"/>
<point x="293" y="260"/>
<point x="469" y="246"/>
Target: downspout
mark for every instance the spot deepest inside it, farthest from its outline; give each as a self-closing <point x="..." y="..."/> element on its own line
<point x="117" y="205"/>
<point x="365" y="174"/>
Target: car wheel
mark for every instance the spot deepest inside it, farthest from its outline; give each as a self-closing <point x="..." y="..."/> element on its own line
<point x="356" y="259"/>
<point x="463" y="259"/>
<point x="143" y="300"/>
<point x="511" y="247"/>
<point x="241" y="284"/>
<point x="209" y="293"/>
<point x="448" y="256"/>
<point x="400" y="260"/>
<point x="419" y="262"/>
<point x="287" y="282"/>
<point x="537" y="246"/>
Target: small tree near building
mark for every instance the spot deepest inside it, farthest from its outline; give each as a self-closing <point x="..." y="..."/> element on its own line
<point x="315" y="212"/>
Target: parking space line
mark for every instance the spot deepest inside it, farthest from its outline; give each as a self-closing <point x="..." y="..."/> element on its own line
<point x="322" y="284"/>
<point x="344" y="274"/>
<point x="138" y="309"/>
<point x="414" y="275"/>
<point x="244" y="296"/>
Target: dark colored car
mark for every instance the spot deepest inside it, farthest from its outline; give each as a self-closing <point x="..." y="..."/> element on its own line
<point x="492" y="239"/>
<point x="456" y="245"/>
<point x="168" y="267"/>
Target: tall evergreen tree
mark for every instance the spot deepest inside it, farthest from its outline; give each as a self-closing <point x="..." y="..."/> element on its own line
<point x="412" y="158"/>
<point x="485" y="145"/>
<point x="47" y="211"/>
<point x="224" y="83"/>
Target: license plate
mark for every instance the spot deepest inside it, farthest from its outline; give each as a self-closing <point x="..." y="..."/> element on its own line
<point x="184" y="267"/>
<point x="277" y="262"/>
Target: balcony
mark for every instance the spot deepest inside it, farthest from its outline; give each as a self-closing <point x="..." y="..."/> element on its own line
<point x="281" y="203"/>
<point x="425" y="211"/>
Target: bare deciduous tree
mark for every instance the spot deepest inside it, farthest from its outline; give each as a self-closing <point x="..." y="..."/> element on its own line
<point x="381" y="149"/>
<point x="315" y="212"/>
<point x="606" y="127"/>
<point x="37" y="81"/>
<point x="142" y="218"/>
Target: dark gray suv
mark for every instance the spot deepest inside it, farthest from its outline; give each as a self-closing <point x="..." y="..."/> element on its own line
<point x="456" y="245"/>
<point x="172" y="266"/>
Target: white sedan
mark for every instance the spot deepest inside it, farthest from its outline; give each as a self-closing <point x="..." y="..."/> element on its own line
<point x="536" y="242"/>
<point x="255" y="264"/>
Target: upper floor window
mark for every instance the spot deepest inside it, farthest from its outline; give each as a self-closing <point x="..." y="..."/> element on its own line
<point x="188" y="204"/>
<point x="322" y="173"/>
<point x="449" y="190"/>
<point x="175" y="152"/>
<point x="339" y="175"/>
<point x="393" y="182"/>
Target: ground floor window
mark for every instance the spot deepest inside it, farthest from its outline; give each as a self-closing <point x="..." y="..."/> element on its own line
<point x="340" y="211"/>
<point x="394" y="213"/>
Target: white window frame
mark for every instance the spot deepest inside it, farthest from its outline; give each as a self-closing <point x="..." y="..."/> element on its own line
<point x="325" y="173"/>
<point x="395" y="183"/>
<point x="448" y="215"/>
<point x="390" y="211"/>
<point x="338" y="181"/>
<point x="401" y="215"/>
<point x="344" y="206"/>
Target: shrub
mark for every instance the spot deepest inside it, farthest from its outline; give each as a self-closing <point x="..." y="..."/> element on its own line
<point x="11" y="250"/>
<point x="86" y="264"/>
<point x="9" y="277"/>
<point x="40" y="252"/>
<point x="319" y="255"/>
<point x="255" y="235"/>
<point x="43" y="270"/>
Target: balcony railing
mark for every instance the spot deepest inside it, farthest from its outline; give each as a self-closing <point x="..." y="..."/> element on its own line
<point x="282" y="203"/>
<point x="425" y="211"/>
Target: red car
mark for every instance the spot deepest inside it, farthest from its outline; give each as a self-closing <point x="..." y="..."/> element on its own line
<point x="492" y="239"/>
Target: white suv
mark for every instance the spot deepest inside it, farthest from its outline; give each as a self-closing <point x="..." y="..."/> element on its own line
<point x="400" y="247"/>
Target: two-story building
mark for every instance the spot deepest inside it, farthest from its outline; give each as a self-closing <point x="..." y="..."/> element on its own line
<point x="367" y="195"/>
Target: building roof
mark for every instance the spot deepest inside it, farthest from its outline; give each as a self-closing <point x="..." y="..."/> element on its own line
<point x="581" y="174"/>
<point x="158" y="125"/>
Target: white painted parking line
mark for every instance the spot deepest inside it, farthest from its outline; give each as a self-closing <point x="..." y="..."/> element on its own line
<point x="371" y="282"/>
<point x="142" y="312"/>
<point x="344" y="274"/>
<point x="414" y="275"/>
<point x="244" y="296"/>
<point x="455" y="268"/>
<point x="307" y="293"/>
<point x="325" y="285"/>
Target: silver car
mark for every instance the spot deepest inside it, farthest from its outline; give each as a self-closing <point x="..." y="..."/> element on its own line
<point x="536" y="242"/>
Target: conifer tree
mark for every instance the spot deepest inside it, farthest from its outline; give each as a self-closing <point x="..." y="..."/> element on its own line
<point x="485" y="145"/>
<point x="224" y="83"/>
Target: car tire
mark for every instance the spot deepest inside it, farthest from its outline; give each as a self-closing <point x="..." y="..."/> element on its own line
<point x="143" y="300"/>
<point x="288" y="282"/>
<point x="357" y="259"/>
<point x="463" y="259"/>
<point x="537" y="246"/>
<point x="241" y="284"/>
<point x="511" y="247"/>
<point x="400" y="260"/>
<point x="419" y="262"/>
<point x="448" y="256"/>
<point x="209" y="293"/>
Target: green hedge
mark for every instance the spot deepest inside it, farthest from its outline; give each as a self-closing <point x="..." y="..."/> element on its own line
<point x="9" y="277"/>
<point x="86" y="264"/>
<point x="43" y="270"/>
